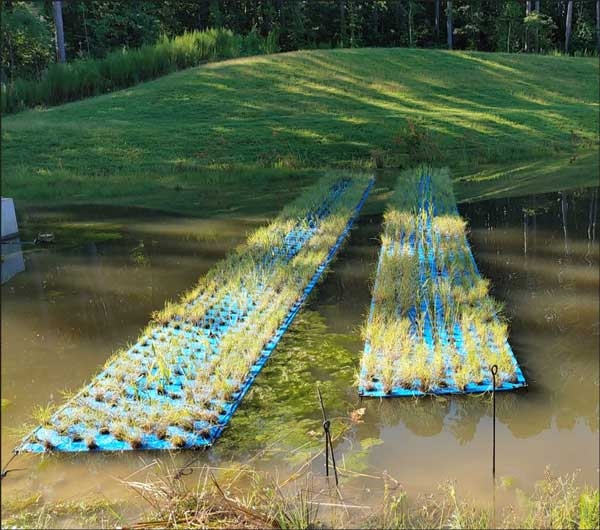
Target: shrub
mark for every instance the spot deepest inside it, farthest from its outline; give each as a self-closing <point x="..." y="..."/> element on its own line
<point x="82" y="78"/>
<point x="416" y="140"/>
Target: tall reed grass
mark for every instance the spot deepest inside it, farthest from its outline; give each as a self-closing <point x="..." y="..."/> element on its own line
<point x="82" y="78"/>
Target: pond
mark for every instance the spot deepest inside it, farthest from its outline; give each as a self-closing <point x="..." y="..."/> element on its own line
<point x="91" y="292"/>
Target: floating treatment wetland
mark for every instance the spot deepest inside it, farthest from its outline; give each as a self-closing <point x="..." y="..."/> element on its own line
<point x="432" y="326"/>
<point x="180" y="383"/>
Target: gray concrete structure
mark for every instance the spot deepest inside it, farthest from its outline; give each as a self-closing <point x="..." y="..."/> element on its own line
<point x="9" y="219"/>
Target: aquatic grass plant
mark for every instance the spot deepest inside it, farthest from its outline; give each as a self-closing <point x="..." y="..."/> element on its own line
<point x="178" y="385"/>
<point x="433" y="326"/>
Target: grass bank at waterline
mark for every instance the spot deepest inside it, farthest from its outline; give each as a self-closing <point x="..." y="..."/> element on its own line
<point x="432" y="327"/>
<point x="240" y="496"/>
<point x="168" y="139"/>
<point x="179" y="385"/>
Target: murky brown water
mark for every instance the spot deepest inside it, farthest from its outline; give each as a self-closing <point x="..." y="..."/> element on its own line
<point x="94" y="289"/>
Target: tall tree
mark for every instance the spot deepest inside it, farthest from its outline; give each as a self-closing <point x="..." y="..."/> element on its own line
<point x="437" y="20"/>
<point x="342" y="24"/>
<point x="93" y="28"/>
<point x="527" y="13"/>
<point x="27" y="46"/>
<point x="60" y="33"/>
<point x="537" y="29"/>
<point x="598" y="25"/>
<point x="569" y="24"/>
<point x="410" y="23"/>
<point x="449" y="22"/>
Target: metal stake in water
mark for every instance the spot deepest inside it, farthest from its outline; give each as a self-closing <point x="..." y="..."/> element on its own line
<point x="328" y="440"/>
<point x="494" y="370"/>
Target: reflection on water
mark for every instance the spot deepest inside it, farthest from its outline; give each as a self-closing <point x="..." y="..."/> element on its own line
<point x="542" y="252"/>
<point x="12" y="259"/>
<point x="74" y="304"/>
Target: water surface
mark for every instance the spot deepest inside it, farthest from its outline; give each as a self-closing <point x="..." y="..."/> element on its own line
<point x="92" y="291"/>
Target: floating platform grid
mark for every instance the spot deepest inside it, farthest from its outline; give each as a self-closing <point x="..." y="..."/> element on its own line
<point x="89" y="422"/>
<point x="433" y="266"/>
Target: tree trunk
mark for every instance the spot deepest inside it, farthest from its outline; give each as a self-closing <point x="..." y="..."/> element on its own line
<point x="11" y="59"/>
<point x="537" y="30"/>
<point x="437" y="20"/>
<point x="60" y="36"/>
<point x="342" y="24"/>
<point x="598" y="25"/>
<point x="449" y="22"/>
<point x="281" y="14"/>
<point x="568" y="25"/>
<point x="527" y="12"/>
<point x="87" y="40"/>
<point x="410" y="25"/>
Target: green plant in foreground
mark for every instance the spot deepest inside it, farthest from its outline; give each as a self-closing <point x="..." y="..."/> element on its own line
<point x="241" y="496"/>
<point x="589" y="506"/>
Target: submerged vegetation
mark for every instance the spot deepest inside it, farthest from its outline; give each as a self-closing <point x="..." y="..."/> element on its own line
<point x="433" y="327"/>
<point x="178" y="385"/>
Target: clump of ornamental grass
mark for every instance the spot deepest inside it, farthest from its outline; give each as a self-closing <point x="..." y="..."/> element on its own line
<point x="134" y="438"/>
<point x="178" y="441"/>
<point x="90" y="442"/>
<point x="119" y="431"/>
<point x="451" y="226"/>
<point x="76" y="435"/>
<point x="43" y="414"/>
<point x="48" y="443"/>
<point x="369" y="369"/>
<point x="388" y="373"/>
<point x="160" y="431"/>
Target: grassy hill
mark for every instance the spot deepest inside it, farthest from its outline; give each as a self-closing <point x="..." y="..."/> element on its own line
<point x="234" y="123"/>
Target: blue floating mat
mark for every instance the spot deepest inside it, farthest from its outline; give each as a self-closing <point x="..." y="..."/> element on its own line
<point x="149" y="397"/>
<point x="449" y="340"/>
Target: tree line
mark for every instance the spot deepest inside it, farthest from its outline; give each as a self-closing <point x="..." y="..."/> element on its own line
<point x="36" y="34"/>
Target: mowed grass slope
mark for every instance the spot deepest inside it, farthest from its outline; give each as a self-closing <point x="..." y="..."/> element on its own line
<point x="283" y="113"/>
